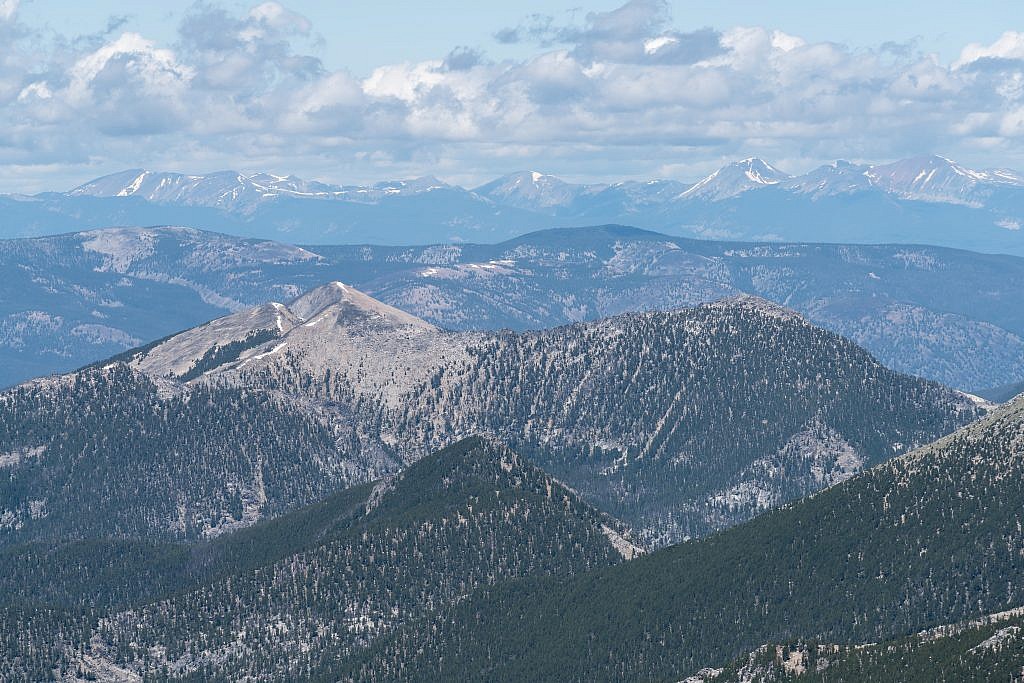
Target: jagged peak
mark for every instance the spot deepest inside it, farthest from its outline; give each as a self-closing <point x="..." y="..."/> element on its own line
<point x="760" y="171"/>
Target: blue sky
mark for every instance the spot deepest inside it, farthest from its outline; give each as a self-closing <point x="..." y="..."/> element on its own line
<point x="360" y="91"/>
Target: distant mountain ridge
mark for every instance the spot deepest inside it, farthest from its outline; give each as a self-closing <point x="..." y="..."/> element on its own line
<point x="932" y="178"/>
<point x="70" y="300"/>
<point x="924" y="200"/>
<point x="233" y="190"/>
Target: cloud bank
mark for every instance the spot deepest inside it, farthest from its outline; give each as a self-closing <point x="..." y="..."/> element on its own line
<point x="620" y="93"/>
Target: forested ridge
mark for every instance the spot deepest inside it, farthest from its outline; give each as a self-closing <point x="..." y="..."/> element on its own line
<point x="931" y="538"/>
<point x="286" y="597"/>
<point x="989" y="648"/>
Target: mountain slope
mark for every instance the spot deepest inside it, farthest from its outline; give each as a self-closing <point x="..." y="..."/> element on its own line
<point x="938" y="179"/>
<point x="734" y="179"/>
<point x="946" y="315"/>
<point x="679" y="422"/>
<point x="534" y="191"/>
<point x="838" y="178"/>
<point x="471" y="515"/>
<point x="163" y="449"/>
<point x="929" y="538"/>
<point x="110" y="452"/>
<point x="687" y="421"/>
<point x="73" y="299"/>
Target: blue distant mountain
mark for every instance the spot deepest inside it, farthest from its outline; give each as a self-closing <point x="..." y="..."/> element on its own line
<point x="926" y="200"/>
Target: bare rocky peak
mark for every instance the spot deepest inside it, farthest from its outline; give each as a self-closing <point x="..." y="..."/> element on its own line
<point x="178" y="354"/>
<point x="332" y="330"/>
<point x="338" y="328"/>
<point x="346" y="301"/>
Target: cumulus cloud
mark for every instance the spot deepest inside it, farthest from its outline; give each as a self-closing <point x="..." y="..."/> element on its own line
<point x="625" y="92"/>
<point x="463" y="58"/>
<point x="636" y="32"/>
<point x="1010" y="45"/>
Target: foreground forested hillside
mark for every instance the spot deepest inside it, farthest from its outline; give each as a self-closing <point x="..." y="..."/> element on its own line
<point x="288" y="597"/>
<point x="930" y="538"/>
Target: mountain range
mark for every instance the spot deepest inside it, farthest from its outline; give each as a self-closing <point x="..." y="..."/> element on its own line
<point x="948" y="315"/>
<point x="930" y="200"/>
<point x="578" y="453"/>
<point x="159" y="530"/>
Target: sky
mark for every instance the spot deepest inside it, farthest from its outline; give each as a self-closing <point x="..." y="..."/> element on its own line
<point x="353" y="91"/>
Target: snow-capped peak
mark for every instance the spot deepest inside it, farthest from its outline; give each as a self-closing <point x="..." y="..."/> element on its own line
<point x="839" y="177"/>
<point x="734" y="179"/>
<point x="533" y="190"/>
<point x="937" y="178"/>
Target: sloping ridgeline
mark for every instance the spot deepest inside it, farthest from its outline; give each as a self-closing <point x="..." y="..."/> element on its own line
<point x="687" y="421"/>
<point x="303" y="592"/>
<point x="929" y="538"/>
<point x="678" y="422"/>
<point x="947" y="315"/>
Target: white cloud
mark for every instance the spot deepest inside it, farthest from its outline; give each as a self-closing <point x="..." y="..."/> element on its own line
<point x="38" y="89"/>
<point x="652" y="45"/>
<point x="155" y="69"/>
<point x="622" y="93"/>
<point x="785" y="42"/>
<point x="1010" y="45"/>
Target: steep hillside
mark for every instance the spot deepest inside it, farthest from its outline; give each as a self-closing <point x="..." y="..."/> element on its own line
<point x="930" y="538"/>
<point x="290" y="596"/>
<point x="687" y="421"/>
<point x="680" y="422"/>
<point x="108" y="452"/>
